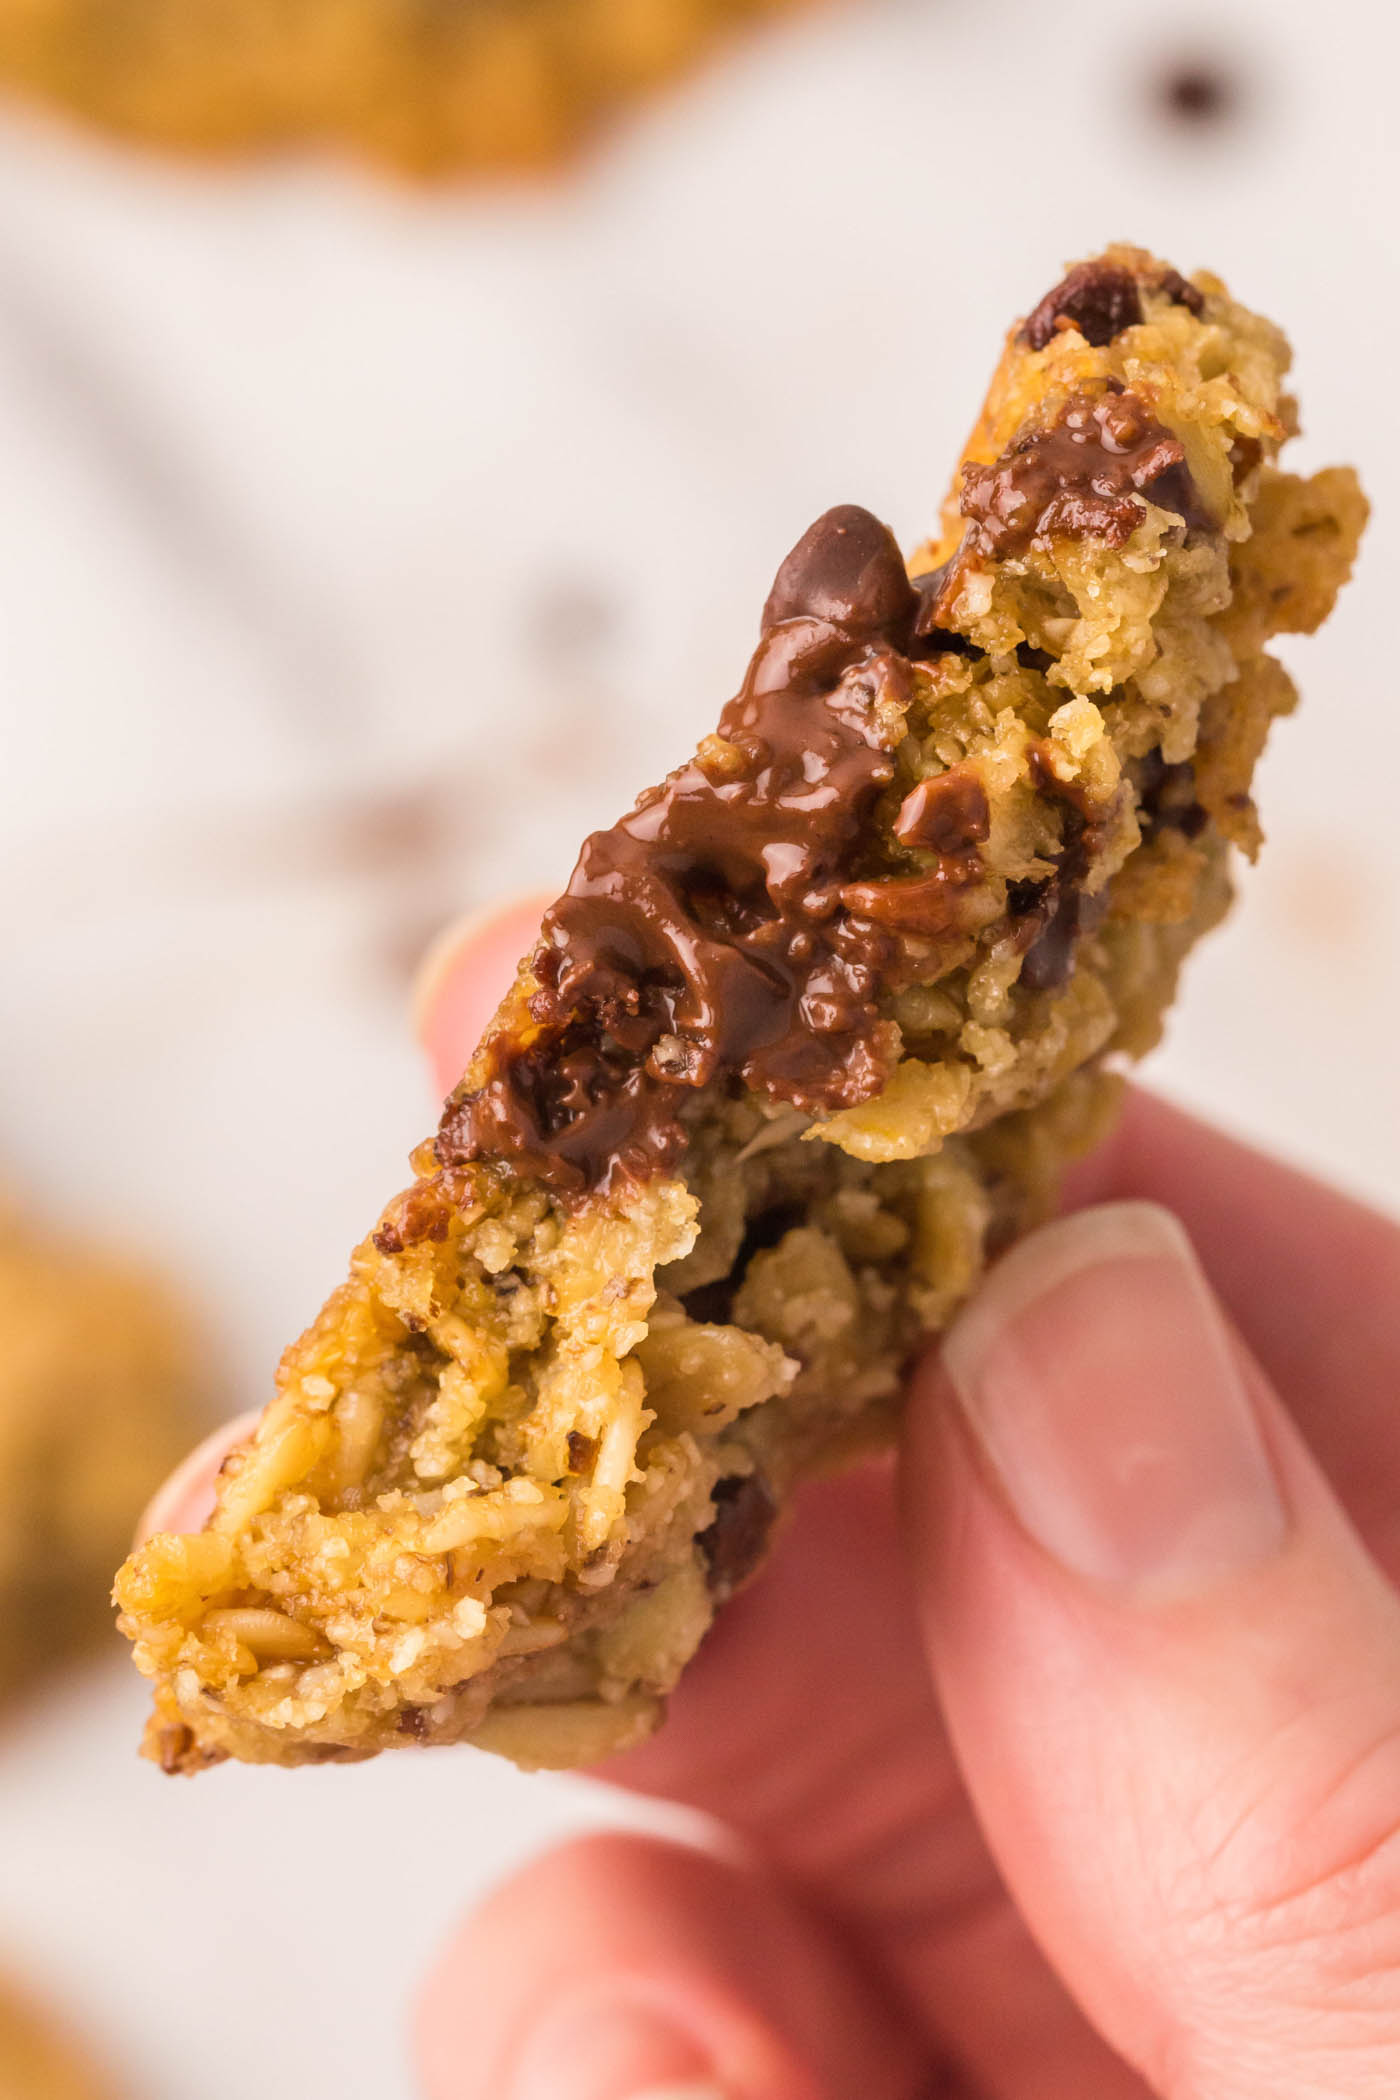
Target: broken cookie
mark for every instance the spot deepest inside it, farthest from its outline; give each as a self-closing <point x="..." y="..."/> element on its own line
<point x="807" y="1041"/>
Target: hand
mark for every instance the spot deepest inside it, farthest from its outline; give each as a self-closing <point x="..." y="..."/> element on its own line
<point x="1065" y="1757"/>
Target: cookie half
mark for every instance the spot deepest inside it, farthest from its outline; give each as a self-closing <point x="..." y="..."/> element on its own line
<point x="806" y="1043"/>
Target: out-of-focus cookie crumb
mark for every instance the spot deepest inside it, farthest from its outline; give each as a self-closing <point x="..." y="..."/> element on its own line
<point x="98" y="1378"/>
<point x="429" y="87"/>
<point x="38" y="2060"/>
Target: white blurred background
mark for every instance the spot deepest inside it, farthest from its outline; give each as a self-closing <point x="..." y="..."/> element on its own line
<point x="362" y="547"/>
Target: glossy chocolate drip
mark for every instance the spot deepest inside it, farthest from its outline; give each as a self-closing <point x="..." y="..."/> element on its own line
<point x="734" y="927"/>
<point x="1081" y="478"/>
<point x="721" y="929"/>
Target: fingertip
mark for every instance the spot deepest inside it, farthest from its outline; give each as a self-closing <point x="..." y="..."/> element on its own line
<point x="184" y="1501"/>
<point x="619" y="1966"/>
<point x="463" y="977"/>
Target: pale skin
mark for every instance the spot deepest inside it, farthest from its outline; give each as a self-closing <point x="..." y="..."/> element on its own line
<point x="1062" y="1755"/>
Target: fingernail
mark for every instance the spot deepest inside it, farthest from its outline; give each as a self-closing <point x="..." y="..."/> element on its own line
<point x="1099" y="1375"/>
<point x="612" y="2050"/>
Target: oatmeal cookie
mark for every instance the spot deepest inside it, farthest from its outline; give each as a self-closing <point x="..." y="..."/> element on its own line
<point x="38" y="2061"/>
<point x="430" y="87"/>
<point x="804" y="1045"/>
<point x="97" y="1380"/>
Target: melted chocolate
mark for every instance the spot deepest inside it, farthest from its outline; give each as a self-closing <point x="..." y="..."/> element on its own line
<point x="1167" y="798"/>
<point x="927" y="638"/>
<point x="726" y="930"/>
<point x="1081" y="478"/>
<point x="1049" y="961"/>
<point x="721" y="931"/>
<point x="947" y="815"/>
<point x="1062" y="911"/>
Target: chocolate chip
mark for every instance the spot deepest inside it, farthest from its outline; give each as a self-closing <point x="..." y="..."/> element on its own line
<point x="1100" y="299"/>
<point x="949" y="814"/>
<point x="735" y="1543"/>
<point x="1167" y="798"/>
<point x="1049" y="961"/>
<point x="846" y="569"/>
<point x="1181" y="291"/>
<point x="1025" y="896"/>
<point x="1080" y="478"/>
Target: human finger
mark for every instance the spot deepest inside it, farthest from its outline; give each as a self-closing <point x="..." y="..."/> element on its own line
<point x="1169" y="1667"/>
<point x="1310" y="1276"/>
<point x="621" y="1968"/>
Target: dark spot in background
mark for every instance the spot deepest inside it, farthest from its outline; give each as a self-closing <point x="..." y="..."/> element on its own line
<point x="1197" y="91"/>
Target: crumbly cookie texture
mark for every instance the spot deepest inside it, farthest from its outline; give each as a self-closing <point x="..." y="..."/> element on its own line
<point x="97" y="1385"/>
<point x="38" y="2061"/>
<point x="448" y="87"/>
<point x="806" y="1043"/>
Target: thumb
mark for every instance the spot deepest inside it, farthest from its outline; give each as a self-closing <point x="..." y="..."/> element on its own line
<point x="1171" y="1670"/>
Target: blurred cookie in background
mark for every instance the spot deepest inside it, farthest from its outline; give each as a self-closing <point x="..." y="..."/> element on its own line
<point x="430" y="87"/>
<point x="38" y="2059"/>
<point x="98" y="1388"/>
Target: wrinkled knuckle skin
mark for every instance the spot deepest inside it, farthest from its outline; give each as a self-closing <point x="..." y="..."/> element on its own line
<point x="1288" y="1924"/>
